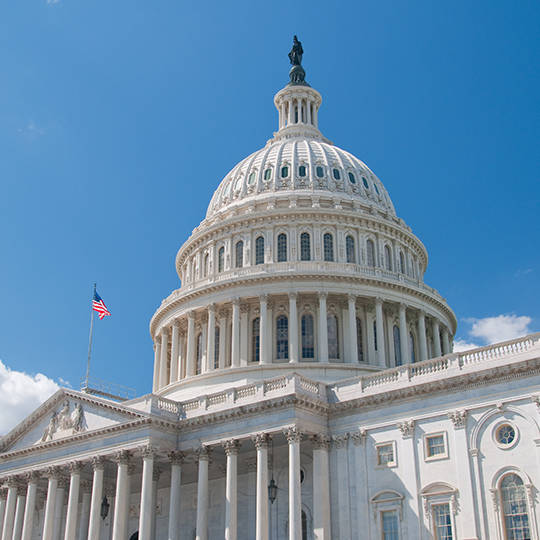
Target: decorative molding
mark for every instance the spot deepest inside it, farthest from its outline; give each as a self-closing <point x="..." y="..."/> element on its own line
<point x="176" y="457"/>
<point x="321" y="441"/>
<point x="459" y="418"/>
<point x="203" y="453"/>
<point x="123" y="457"/>
<point x="261" y="440"/>
<point x="359" y="437"/>
<point x="407" y="428"/>
<point x="340" y="441"/>
<point x="231" y="447"/>
<point x="75" y="467"/>
<point x="293" y="434"/>
<point x="98" y="463"/>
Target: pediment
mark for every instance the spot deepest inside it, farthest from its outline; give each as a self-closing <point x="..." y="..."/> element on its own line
<point x="67" y="414"/>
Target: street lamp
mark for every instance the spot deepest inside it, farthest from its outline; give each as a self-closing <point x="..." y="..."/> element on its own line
<point x="105" y="508"/>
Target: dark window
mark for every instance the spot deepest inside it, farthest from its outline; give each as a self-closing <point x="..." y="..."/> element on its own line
<point x="397" y="346"/>
<point x="320" y="171"/>
<point x="365" y="182"/>
<point x="336" y="174"/>
<point x="305" y="247"/>
<point x="302" y="170"/>
<point x="308" y="337"/>
<point x="216" y="348"/>
<point x="199" y="354"/>
<point x="282" y="337"/>
<point x="268" y="174"/>
<point x="352" y="178"/>
<point x="328" y="242"/>
<point x="370" y="247"/>
<point x="259" y="250"/>
<point x="402" y="262"/>
<point x="359" y="342"/>
<point x="239" y="254"/>
<point x="282" y="247"/>
<point x="375" y="334"/>
<point x="387" y="258"/>
<point x="333" y="336"/>
<point x="351" y="254"/>
<point x="411" y="347"/>
<point x="284" y="172"/>
<point x="221" y="257"/>
<point x="255" y="339"/>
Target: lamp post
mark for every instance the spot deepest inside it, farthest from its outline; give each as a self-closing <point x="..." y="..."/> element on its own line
<point x="105" y="508"/>
<point x="272" y="486"/>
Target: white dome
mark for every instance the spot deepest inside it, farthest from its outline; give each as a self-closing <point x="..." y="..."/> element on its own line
<point x="300" y="165"/>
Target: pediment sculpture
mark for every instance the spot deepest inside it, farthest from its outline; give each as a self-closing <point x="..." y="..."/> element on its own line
<point x="66" y="422"/>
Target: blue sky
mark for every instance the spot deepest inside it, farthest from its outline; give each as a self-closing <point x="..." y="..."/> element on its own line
<point x="119" y="119"/>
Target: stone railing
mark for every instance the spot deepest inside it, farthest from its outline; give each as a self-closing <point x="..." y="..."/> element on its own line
<point x="436" y="368"/>
<point x="241" y="395"/>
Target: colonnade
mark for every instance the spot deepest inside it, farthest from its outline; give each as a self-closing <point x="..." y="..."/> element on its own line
<point x="17" y="507"/>
<point x="342" y="328"/>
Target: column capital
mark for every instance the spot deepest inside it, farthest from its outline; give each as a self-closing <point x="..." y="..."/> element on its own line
<point x="122" y="457"/>
<point x="32" y="477"/>
<point x="261" y="440"/>
<point x="244" y="308"/>
<point x="3" y="493"/>
<point x="323" y="295"/>
<point x="191" y="315"/>
<point x="293" y="434"/>
<point x="407" y="428"/>
<point x="359" y="437"/>
<point x="379" y="300"/>
<point x="156" y="473"/>
<point x="175" y="324"/>
<point x="51" y="472"/>
<point x="321" y="441"/>
<point x="340" y="441"/>
<point x="203" y="453"/>
<point x="402" y="306"/>
<point x="293" y="295"/>
<point x="211" y="308"/>
<point x="177" y="457"/>
<point x="459" y="418"/>
<point x="263" y="298"/>
<point x="421" y="313"/>
<point x="148" y="451"/>
<point x="351" y="297"/>
<point x="98" y="463"/>
<point x="231" y="447"/>
<point x="235" y="301"/>
<point x="75" y="467"/>
<point x="164" y="332"/>
<point x="223" y="313"/>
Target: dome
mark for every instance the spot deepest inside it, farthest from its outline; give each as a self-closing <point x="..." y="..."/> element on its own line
<point x="297" y="166"/>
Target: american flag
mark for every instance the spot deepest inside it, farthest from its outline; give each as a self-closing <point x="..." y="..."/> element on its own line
<point x="99" y="306"/>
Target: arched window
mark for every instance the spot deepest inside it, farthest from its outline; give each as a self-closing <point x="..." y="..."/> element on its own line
<point x="411" y="347"/>
<point x="284" y="172"/>
<point x="199" y="354"/>
<point x="308" y="337"/>
<point x="319" y="171"/>
<point x="402" y="262"/>
<point x="255" y="340"/>
<point x="370" y="248"/>
<point x="359" y="342"/>
<point x="333" y="336"/>
<point x="305" y="247"/>
<point x="205" y="265"/>
<point x="328" y="241"/>
<point x="259" y="250"/>
<point x="302" y="170"/>
<point x="349" y="244"/>
<point x="387" y="257"/>
<point x="514" y="508"/>
<point x="282" y="247"/>
<point x="221" y="257"/>
<point x="239" y="254"/>
<point x="216" y="348"/>
<point x="282" y="337"/>
<point x="397" y="346"/>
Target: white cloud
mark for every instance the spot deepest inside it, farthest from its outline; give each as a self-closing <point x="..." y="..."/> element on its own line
<point x="500" y="328"/>
<point x="463" y="345"/>
<point x="21" y="394"/>
<point x="31" y="130"/>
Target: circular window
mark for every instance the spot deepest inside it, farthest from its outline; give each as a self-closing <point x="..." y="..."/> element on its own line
<point x="352" y="178"/>
<point x="505" y="435"/>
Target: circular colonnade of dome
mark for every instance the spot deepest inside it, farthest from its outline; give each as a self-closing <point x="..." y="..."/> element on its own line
<point x="301" y="265"/>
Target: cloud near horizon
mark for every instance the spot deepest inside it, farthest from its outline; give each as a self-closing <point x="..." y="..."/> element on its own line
<point x="20" y="394"/>
<point x="489" y="330"/>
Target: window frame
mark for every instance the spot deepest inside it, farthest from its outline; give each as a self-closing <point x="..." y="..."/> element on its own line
<point x="285" y="354"/>
<point x="328" y="235"/>
<point x="435" y="457"/>
<point x="308" y="235"/>
<point x="221" y="259"/>
<point x="350" y="249"/>
<point x="388" y="464"/>
<point x="387" y="500"/>
<point x="239" y="253"/>
<point x="495" y="431"/>
<point x="279" y="247"/>
<point x="436" y="494"/>
<point x="302" y="357"/>
<point x="257" y="246"/>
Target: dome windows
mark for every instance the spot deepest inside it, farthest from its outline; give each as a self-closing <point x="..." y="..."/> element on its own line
<point x="251" y="178"/>
<point x="319" y="171"/>
<point x="376" y="188"/>
<point x="284" y="171"/>
<point x="282" y="247"/>
<point x="336" y="174"/>
<point x="259" y="250"/>
<point x="352" y="178"/>
<point x="305" y="247"/>
<point x="302" y="171"/>
<point x="238" y="184"/>
<point x="351" y="252"/>
<point x="370" y="250"/>
<point x="282" y="337"/>
<point x="239" y="254"/>
<point x="328" y="244"/>
<point x="267" y="175"/>
<point x="365" y="182"/>
<point x="221" y="258"/>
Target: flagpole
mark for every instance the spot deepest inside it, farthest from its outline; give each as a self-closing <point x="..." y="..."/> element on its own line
<point x="90" y="338"/>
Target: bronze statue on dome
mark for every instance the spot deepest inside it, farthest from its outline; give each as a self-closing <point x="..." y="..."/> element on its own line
<point x="297" y="75"/>
<point x="295" y="56"/>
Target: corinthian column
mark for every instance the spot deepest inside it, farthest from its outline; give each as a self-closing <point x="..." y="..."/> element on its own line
<point x="380" y="332"/>
<point x="261" y="441"/>
<point x="436" y="338"/>
<point x="323" y="328"/>
<point x="19" y="513"/>
<point x="211" y="338"/>
<point x="163" y="379"/>
<point x="157" y="356"/>
<point x="30" y="508"/>
<point x="85" y="510"/>
<point x="145" y="515"/>
<point x="293" y="329"/>
<point x="321" y="487"/>
<point x="121" y="507"/>
<point x="422" y="335"/>
<point x="190" y="371"/>
<point x="231" y="493"/>
<point x="94" y="527"/>
<point x="404" y="335"/>
<point x="73" y="500"/>
<point x="353" y="338"/>
<point x="177" y="458"/>
<point x="48" y="521"/>
<point x="202" y="494"/>
<point x="174" y="352"/>
<point x="264" y="342"/>
<point x="235" y="346"/>
<point x="295" y="498"/>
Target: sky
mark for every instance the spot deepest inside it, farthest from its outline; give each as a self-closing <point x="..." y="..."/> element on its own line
<point x="119" y="119"/>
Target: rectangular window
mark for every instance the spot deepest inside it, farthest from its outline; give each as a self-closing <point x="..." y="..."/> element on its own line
<point x="435" y="446"/>
<point x="385" y="455"/>
<point x="389" y="525"/>
<point x="442" y="522"/>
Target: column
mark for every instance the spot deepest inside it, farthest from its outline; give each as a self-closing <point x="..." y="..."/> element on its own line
<point x="360" y="479"/>
<point x="85" y="510"/>
<point x="202" y="494"/>
<point x="121" y="506"/>
<point x="370" y="335"/>
<point x="163" y="379"/>
<point x="181" y="355"/>
<point x="222" y="338"/>
<point x="155" y="479"/>
<point x="30" y="508"/>
<point x="353" y="337"/>
<point x="293" y="329"/>
<point x="94" y="525"/>
<point x="174" y="352"/>
<point x="73" y="500"/>
<point x="445" y="341"/>
<point x="409" y="478"/>
<point x="436" y="338"/>
<point x="145" y="514"/>
<point x="3" y="496"/>
<point x="235" y="339"/>
<point x="211" y="338"/>
<point x="323" y="328"/>
<point x="190" y="354"/>
<point x="291" y="107"/>
<point x="231" y="490"/>
<point x="261" y="441"/>
<point x="157" y="356"/>
<point x="19" y="513"/>
<point x="244" y="344"/>
<point x="308" y="111"/>
<point x="381" y="348"/>
<point x="295" y="498"/>
<point x="403" y="335"/>
<point x="321" y="488"/>
<point x="177" y="459"/>
<point x="59" y="508"/>
<point x="48" y="520"/>
<point x="264" y="342"/>
<point x="343" y="504"/>
<point x="422" y="335"/>
<point x="390" y="334"/>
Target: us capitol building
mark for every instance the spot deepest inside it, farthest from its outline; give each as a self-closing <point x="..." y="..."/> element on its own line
<point x="304" y="383"/>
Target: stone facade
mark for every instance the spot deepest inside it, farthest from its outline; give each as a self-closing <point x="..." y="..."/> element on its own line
<point x="304" y="384"/>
